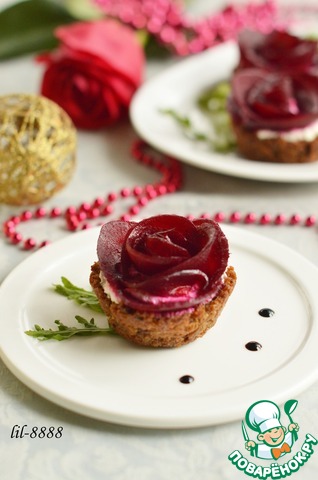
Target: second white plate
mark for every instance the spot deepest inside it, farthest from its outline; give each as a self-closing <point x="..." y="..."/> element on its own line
<point x="178" y="88"/>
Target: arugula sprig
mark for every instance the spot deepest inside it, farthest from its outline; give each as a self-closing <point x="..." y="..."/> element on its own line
<point x="83" y="297"/>
<point x="213" y="104"/>
<point x="63" y="332"/>
<point x="186" y="124"/>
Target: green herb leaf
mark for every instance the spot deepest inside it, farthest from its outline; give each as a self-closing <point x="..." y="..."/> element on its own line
<point x="79" y="295"/>
<point x="63" y="332"/>
<point x="213" y="103"/>
<point x="185" y="123"/>
<point x="215" y="98"/>
<point x="28" y="26"/>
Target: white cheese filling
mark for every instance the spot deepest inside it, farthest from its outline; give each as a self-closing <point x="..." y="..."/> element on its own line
<point x="107" y="288"/>
<point x="307" y="134"/>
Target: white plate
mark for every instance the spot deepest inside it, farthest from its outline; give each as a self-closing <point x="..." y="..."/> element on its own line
<point x="110" y="379"/>
<point x="178" y="88"/>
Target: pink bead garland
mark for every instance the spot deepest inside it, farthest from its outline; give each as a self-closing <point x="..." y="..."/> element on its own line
<point x="168" y="22"/>
<point x="75" y="217"/>
<point x="101" y="207"/>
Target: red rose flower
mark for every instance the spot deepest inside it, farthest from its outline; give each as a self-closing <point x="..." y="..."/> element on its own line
<point x="94" y="72"/>
<point x="277" y="51"/>
<point x="274" y="101"/>
<point x="163" y="263"/>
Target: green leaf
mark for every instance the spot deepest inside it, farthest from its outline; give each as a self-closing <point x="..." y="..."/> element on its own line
<point x="63" y="332"/>
<point x="213" y="104"/>
<point x="28" y="26"/>
<point x="214" y="99"/>
<point x="79" y="295"/>
<point x="186" y="125"/>
<point x="84" y="9"/>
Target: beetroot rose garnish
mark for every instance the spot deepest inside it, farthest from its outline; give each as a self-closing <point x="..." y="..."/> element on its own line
<point x="277" y="51"/>
<point x="164" y="263"/>
<point x="274" y="101"/>
<point x="94" y="72"/>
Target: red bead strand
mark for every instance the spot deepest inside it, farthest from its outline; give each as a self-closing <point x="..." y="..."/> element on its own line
<point x="295" y="219"/>
<point x="250" y="218"/>
<point x="76" y="217"/>
<point x="310" y="221"/>
<point x="280" y="219"/>
<point x="265" y="219"/>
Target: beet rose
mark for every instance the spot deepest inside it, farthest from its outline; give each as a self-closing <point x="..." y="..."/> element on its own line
<point x="163" y="263"/>
<point x="94" y="72"/>
<point x="273" y="101"/>
<point x="277" y="51"/>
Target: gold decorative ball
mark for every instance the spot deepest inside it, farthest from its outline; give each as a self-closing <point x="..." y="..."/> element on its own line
<point x="37" y="149"/>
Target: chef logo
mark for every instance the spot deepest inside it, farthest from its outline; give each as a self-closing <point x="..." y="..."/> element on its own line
<point x="274" y="439"/>
<point x="271" y="438"/>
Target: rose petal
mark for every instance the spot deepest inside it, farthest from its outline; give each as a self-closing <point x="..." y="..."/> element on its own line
<point x="90" y="103"/>
<point x="94" y="72"/>
<point x="179" y="286"/>
<point x="115" y="44"/>
<point x="164" y="246"/>
<point x="109" y="247"/>
<point x="122" y="89"/>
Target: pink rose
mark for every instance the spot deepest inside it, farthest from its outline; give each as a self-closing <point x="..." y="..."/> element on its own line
<point x="94" y="72"/>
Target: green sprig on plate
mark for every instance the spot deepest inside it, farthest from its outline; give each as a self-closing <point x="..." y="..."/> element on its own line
<point x="83" y="297"/>
<point x="63" y="332"/>
<point x="213" y="104"/>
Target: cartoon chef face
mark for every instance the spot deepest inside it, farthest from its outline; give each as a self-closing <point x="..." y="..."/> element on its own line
<point x="272" y="437"/>
<point x="264" y="417"/>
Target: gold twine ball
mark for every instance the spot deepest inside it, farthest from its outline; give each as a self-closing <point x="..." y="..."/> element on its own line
<point x="37" y="149"/>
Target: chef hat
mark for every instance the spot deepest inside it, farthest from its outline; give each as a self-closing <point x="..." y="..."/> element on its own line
<point x="263" y="416"/>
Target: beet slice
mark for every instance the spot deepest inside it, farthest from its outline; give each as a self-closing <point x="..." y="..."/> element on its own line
<point x="163" y="263"/>
<point x="273" y="101"/>
<point x="277" y="51"/>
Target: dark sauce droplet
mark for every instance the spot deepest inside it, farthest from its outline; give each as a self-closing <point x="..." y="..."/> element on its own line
<point x="253" y="346"/>
<point x="266" y="312"/>
<point x="186" y="379"/>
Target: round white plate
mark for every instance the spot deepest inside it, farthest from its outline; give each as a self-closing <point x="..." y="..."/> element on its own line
<point x="110" y="379"/>
<point x="178" y="88"/>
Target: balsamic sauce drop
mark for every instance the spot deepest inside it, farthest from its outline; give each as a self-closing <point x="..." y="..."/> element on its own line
<point x="266" y="312"/>
<point x="253" y="346"/>
<point x="186" y="379"/>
